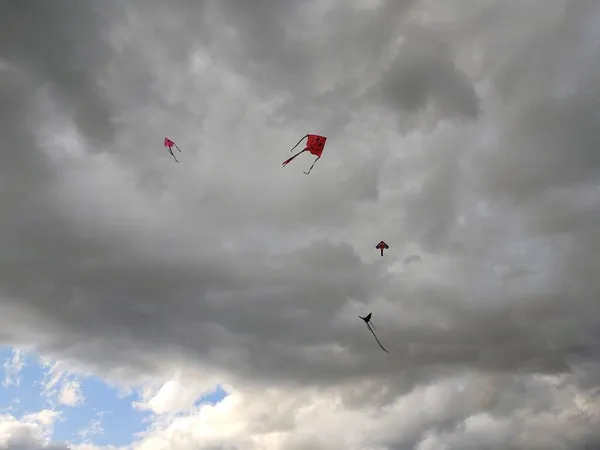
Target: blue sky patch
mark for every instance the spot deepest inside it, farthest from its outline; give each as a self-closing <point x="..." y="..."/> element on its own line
<point x="105" y="417"/>
<point x="212" y="398"/>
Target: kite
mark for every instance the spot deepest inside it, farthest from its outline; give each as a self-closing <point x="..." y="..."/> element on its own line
<point x="367" y="320"/>
<point x="169" y="144"/>
<point x="381" y="246"/>
<point x="314" y="145"/>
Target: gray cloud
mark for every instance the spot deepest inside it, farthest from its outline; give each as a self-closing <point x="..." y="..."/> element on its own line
<point x="425" y="71"/>
<point x="23" y="437"/>
<point x="66" y="66"/>
<point x="117" y="257"/>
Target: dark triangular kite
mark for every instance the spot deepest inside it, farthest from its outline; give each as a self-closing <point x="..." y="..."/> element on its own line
<point x="367" y="319"/>
<point x="382" y="246"/>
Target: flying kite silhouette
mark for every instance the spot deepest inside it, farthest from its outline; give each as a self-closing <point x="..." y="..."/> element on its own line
<point x="382" y="246"/>
<point x="169" y="144"/>
<point x="315" y="144"/>
<point x="367" y="319"/>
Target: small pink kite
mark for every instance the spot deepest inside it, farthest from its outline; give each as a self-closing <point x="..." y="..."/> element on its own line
<point x="169" y="144"/>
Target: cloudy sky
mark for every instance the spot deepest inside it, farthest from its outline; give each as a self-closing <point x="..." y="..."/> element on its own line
<point x="212" y="304"/>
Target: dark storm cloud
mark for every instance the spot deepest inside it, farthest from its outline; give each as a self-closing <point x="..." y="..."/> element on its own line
<point x="102" y="281"/>
<point x="21" y="170"/>
<point x="425" y="71"/>
<point x="551" y="143"/>
<point x="296" y="51"/>
<point x="60" y="45"/>
<point x="229" y="261"/>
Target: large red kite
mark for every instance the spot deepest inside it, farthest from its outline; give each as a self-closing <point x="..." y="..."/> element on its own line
<point x="381" y="246"/>
<point x="314" y="145"/>
<point x="169" y="144"/>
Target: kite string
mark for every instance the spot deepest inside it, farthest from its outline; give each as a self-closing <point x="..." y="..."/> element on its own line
<point x="313" y="165"/>
<point x="290" y="159"/>
<point x="292" y="149"/>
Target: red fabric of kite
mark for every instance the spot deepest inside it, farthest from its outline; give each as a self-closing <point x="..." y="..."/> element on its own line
<point x="169" y="143"/>
<point x="315" y="145"/>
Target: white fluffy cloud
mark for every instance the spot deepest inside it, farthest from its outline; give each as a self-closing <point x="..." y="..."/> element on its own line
<point x="32" y="432"/>
<point x="60" y="385"/>
<point x="12" y="369"/>
<point x="70" y="394"/>
<point x="455" y="413"/>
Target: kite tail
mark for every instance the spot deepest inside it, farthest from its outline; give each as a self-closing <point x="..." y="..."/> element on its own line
<point x="379" y="342"/>
<point x="381" y="251"/>
<point x="292" y="149"/>
<point x="290" y="159"/>
<point x="177" y="148"/>
<point x="313" y="165"/>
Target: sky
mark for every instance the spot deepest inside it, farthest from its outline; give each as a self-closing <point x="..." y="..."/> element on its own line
<point x="212" y="303"/>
